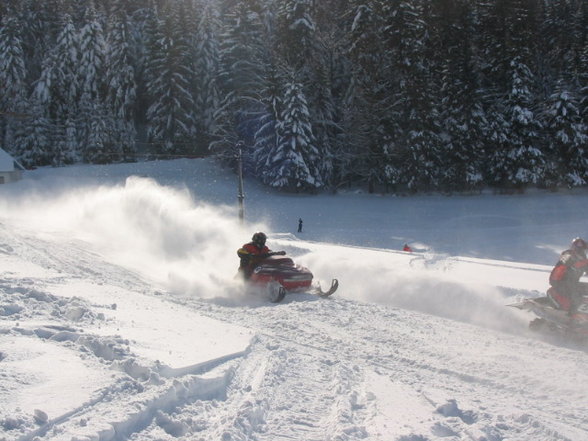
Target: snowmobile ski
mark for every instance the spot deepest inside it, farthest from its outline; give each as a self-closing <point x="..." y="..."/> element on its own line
<point x="553" y="320"/>
<point x="319" y="292"/>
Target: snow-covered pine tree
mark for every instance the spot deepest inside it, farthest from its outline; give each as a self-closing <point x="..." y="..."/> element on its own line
<point x="366" y="103"/>
<point x="121" y="88"/>
<point x="463" y="115"/>
<point x="463" y="147"/>
<point x="323" y="110"/>
<point x="567" y="137"/>
<point x="583" y="84"/>
<point x="518" y="161"/>
<point x="293" y="165"/>
<point x="13" y="81"/>
<point x="515" y="158"/>
<point x="330" y="75"/>
<point x="66" y="88"/>
<point x="266" y="136"/>
<point x="312" y="53"/>
<point x="244" y="57"/>
<point x="412" y="123"/>
<point x="95" y="147"/>
<point x="365" y="38"/>
<point x="58" y="91"/>
<point x="556" y="40"/>
<point x="169" y="74"/>
<point x="206" y="74"/>
<point x="144" y="34"/>
<point x="296" y="31"/>
<point x="65" y="143"/>
<point x="12" y="66"/>
<point x="100" y="136"/>
<point x="34" y="147"/>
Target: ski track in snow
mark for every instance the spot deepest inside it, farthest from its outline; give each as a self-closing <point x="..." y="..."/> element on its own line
<point x="316" y="370"/>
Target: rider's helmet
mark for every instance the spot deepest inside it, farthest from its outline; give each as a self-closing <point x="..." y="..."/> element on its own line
<point x="259" y="239"/>
<point x="579" y="245"/>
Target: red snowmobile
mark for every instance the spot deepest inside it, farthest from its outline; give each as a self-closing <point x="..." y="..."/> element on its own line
<point x="554" y="317"/>
<point x="279" y="275"/>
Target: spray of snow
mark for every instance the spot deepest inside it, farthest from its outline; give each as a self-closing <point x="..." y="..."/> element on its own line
<point x="189" y="248"/>
<point x="404" y="280"/>
<point x="163" y="233"/>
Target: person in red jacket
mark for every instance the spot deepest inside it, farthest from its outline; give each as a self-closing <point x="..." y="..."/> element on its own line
<point x="565" y="276"/>
<point x="253" y="252"/>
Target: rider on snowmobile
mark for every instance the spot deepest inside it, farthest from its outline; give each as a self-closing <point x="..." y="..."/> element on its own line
<point x="253" y="252"/>
<point x="565" y="276"/>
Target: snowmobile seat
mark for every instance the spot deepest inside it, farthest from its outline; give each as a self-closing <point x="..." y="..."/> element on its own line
<point x="278" y="260"/>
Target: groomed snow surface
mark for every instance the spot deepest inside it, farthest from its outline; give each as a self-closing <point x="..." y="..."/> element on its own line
<point x="121" y="318"/>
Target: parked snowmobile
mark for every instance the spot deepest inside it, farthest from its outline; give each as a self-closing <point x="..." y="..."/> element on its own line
<point x="278" y="275"/>
<point x="553" y="315"/>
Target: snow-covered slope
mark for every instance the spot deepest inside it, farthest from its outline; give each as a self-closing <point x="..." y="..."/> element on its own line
<point x="120" y="317"/>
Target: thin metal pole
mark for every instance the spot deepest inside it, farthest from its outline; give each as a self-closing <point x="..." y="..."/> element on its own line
<point x="240" y="195"/>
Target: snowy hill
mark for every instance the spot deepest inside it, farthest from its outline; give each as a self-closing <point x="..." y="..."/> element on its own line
<point x="120" y="318"/>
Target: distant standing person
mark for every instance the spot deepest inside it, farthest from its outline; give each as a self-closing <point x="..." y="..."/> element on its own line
<point x="407" y="248"/>
<point x="300" y="225"/>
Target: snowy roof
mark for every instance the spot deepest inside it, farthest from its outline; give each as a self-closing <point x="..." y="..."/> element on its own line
<point x="8" y="163"/>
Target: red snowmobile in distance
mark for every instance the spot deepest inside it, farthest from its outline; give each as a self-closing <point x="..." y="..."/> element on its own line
<point x="554" y="317"/>
<point x="278" y="275"/>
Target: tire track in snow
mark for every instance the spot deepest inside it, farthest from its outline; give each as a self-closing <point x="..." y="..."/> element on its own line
<point x="392" y="343"/>
<point x="278" y="392"/>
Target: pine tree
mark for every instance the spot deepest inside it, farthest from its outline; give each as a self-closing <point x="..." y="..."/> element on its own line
<point x="366" y="45"/>
<point x="121" y="88"/>
<point x="323" y="110"/>
<point x="463" y="115"/>
<point x="583" y="85"/>
<point x="12" y="78"/>
<point x="366" y="109"/>
<point x="568" y="139"/>
<point x="12" y="66"/>
<point x="293" y="165"/>
<point x="66" y="88"/>
<point x="65" y="143"/>
<point x="244" y="57"/>
<point x="171" y="125"/>
<point x="92" y="115"/>
<point x="265" y="139"/>
<point x="57" y="91"/>
<point x="329" y="85"/>
<point x="518" y="160"/>
<point x="412" y="124"/>
<point x="296" y="31"/>
<point x="206" y="75"/>
<point x="99" y="142"/>
<point x="34" y="146"/>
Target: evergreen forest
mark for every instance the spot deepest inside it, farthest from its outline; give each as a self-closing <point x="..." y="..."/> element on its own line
<point x="391" y="95"/>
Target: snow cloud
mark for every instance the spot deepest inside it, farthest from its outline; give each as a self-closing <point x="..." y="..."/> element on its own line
<point x="413" y="281"/>
<point x="162" y="232"/>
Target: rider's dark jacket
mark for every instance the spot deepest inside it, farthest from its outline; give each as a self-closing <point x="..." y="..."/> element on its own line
<point x="248" y="253"/>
